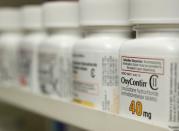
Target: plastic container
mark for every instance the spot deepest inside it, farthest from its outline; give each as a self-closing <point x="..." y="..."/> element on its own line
<point x="149" y="64"/>
<point x="28" y="49"/>
<point x="9" y="41"/>
<point x="96" y="57"/>
<point x="55" y="54"/>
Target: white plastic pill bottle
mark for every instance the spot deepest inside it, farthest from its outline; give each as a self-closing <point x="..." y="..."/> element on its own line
<point x="150" y="64"/>
<point x="9" y="41"/>
<point x="34" y="34"/>
<point x="96" y="57"/>
<point x="61" y="19"/>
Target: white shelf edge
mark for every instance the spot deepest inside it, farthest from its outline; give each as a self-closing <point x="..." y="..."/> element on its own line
<point x="70" y="113"/>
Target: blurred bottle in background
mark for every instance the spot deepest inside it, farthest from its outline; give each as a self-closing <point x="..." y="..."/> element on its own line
<point x="55" y="54"/>
<point x="34" y="34"/>
<point x="9" y="41"/>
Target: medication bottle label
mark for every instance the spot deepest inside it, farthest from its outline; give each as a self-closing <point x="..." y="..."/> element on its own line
<point x="25" y="64"/>
<point x="64" y="89"/>
<point x="149" y="89"/>
<point x="96" y="79"/>
<point x="3" y="68"/>
<point x="48" y="72"/>
<point x="8" y="66"/>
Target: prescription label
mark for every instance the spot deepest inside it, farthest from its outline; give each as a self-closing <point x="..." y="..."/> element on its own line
<point x="149" y="89"/>
<point x="96" y="79"/>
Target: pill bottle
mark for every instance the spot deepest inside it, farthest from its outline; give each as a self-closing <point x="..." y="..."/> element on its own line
<point x="96" y="57"/>
<point x="55" y="54"/>
<point x="34" y="34"/>
<point x="150" y="64"/>
<point x="9" y="41"/>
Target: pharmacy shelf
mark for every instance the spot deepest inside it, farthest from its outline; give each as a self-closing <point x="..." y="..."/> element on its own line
<point x="76" y="115"/>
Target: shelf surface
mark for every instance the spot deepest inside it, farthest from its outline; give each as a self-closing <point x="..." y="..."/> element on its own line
<point x="76" y="115"/>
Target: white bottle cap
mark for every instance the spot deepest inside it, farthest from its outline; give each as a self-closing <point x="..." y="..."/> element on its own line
<point x="31" y="17"/>
<point x="104" y="12"/>
<point x="61" y="14"/>
<point x="154" y="11"/>
<point x="9" y="19"/>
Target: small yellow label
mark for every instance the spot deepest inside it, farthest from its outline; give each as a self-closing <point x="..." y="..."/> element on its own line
<point x="84" y="103"/>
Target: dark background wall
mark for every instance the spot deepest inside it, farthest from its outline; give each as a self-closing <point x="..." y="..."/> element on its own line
<point x="22" y="2"/>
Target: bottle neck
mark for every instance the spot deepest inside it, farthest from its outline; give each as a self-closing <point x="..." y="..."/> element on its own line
<point x="120" y="32"/>
<point x="12" y="32"/>
<point x="65" y="31"/>
<point x="36" y="31"/>
<point x="155" y="31"/>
